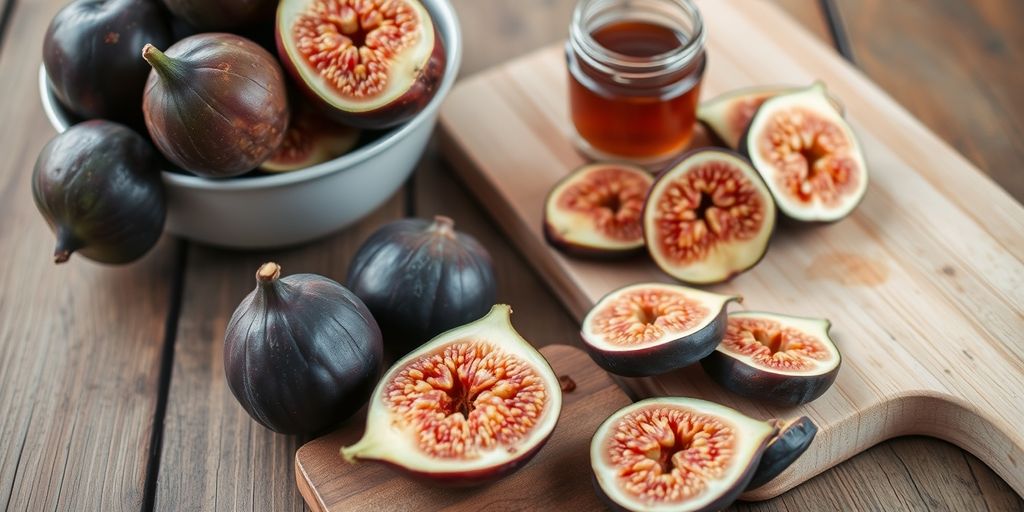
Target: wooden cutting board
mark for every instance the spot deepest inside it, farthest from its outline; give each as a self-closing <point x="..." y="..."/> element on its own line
<point x="923" y="283"/>
<point x="557" y="478"/>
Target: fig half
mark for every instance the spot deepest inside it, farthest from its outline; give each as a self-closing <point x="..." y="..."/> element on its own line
<point x="729" y="114"/>
<point x="676" y="454"/>
<point x="370" y="64"/>
<point x="595" y="211"/>
<point x="775" y="358"/>
<point x="708" y="218"/>
<point x="652" y="328"/>
<point x="808" y="155"/>
<point x="794" y="437"/>
<point x="310" y="140"/>
<point x="470" y="406"/>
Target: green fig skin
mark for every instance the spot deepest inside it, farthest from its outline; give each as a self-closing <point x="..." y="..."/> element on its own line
<point x="98" y="187"/>
<point x="91" y="56"/>
<point x="209" y="15"/>
<point x="215" y="104"/>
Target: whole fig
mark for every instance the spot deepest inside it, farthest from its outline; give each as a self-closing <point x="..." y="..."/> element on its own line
<point x="215" y="104"/>
<point x="98" y="188"/>
<point x="209" y="15"/>
<point x="91" y="55"/>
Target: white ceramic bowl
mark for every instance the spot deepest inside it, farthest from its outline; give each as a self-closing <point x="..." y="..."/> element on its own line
<point x="295" y="207"/>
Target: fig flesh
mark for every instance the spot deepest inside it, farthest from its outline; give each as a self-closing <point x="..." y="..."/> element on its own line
<point x="676" y="454"/>
<point x="708" y="218"/>
<point x="794" y="437"/>
<point x="775" y="358"/>
<point x="808" y="156"/>
<point x="595" y="211"/>
<point x="370" y="64"/>
<point x="212" y="15"/>
<point x="470" y="406"/>
<point x="311" y="139"/>
<point x="653" y="328"/>
<point x="728" y="115"/>
<point x="91" y="55"/>
<point x="99" y="189"/>
<point x="215" y="104"/>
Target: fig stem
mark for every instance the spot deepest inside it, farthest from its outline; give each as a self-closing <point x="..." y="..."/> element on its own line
<point x="268" y="272"/>
<point x="66" y="244"/>
<point x="444" y="225"/>
<point x="167" y="67"/>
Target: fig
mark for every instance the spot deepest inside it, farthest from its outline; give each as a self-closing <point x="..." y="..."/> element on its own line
<point x="595" y="211"/>
<point x="215" y="104"/>
<point x="371" y="64"/>
<point x="301" y="353"/>
<point x="779" y="359"/>
<point x="808" y="156"/>
<point x="471" y="406"/>
<point x="678" y="454"/>
<point x="729" y="114"/>
<point x="91" y="55"/>
<point x="99" y="189"/>
<point x="421" y="278"/>
<point x="708" y="217"/>
<point x="652" y="328"/>
<point x="311" y="139"/>
<point x="793" y="439"/>
<point x="212" y="15"/>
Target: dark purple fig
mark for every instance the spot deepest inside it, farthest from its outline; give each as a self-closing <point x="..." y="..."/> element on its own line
<point x="301" y="353"/>
<point x="793" y="439"/>
<point x="98" y="188"/>
<point x="653" y="328"/>
<point x="370" y="65"/>
<point x="215" y="104"/>
<point x="211" y="15"/>
<point x="595" y="211"/>
<point x="708" y="218"/>
<point x="420" y="278"/>
<point x="91" y="55"/>
<point x="470" y="406"/>
<point x="773" y="358"/>
<point x="678" y="454"/>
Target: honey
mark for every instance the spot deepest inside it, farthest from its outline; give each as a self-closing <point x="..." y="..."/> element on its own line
<point x="635" y="69"/>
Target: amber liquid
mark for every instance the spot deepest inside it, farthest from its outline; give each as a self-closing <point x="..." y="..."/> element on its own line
<point x="635" y="121"/>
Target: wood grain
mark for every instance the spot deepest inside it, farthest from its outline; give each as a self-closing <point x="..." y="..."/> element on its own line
<point x="956" y="65"/>
<point x="921" y="251"/>
<point x="215" y="457"/>
<point x="555" y="479"/>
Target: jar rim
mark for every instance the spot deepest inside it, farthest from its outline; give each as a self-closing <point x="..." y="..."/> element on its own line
<point x="609" y="61"/>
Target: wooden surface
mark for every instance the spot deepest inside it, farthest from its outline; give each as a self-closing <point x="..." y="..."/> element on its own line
<point x="86" y="362"/>
<point x="556" y="478"/>
<point x="907" y="273"/>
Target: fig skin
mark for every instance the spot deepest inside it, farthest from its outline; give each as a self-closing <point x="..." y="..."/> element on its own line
<point x="98" y="187"/>
<point x="215" y="104"/>
<point x="301" y="353"/>
<point x="214" y="15"/>
<point x="91" y="55"/>
<point x="588" y="253"/>
<point x="793" y="439"/>
<point x="421" y="278"/>
<point x="391" y="114"/>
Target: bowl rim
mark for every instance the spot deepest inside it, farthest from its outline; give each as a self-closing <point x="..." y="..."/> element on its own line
<point x="444" y="16"/>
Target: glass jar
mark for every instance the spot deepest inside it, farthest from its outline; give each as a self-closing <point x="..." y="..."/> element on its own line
<point x="635" y="69"/>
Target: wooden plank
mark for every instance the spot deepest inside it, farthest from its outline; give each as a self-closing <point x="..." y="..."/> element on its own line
<point x="932" y="286"/>
<point x="80" y="344"/>
<point x="955" y="65"/>
<point x="215" y="457"/>
<point x="557" y="478"/>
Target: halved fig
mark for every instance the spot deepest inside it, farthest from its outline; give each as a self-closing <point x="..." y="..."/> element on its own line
<point x="595" y="210"/>
<point x="653" y="328"/>
<point x="470" y="406"/>
<point x="780" y="359"/>
<point x="808" y="155"/>
<point x="676" y="454"/>
<point x="708" y="218"/>
<point x="794" y="437"/>
<point x="311" y="139"/>
<point x="371" y="64"/>
<point x="728" y="115"/>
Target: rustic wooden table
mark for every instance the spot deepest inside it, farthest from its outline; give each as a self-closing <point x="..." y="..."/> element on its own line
<point x="112" y="395"/>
